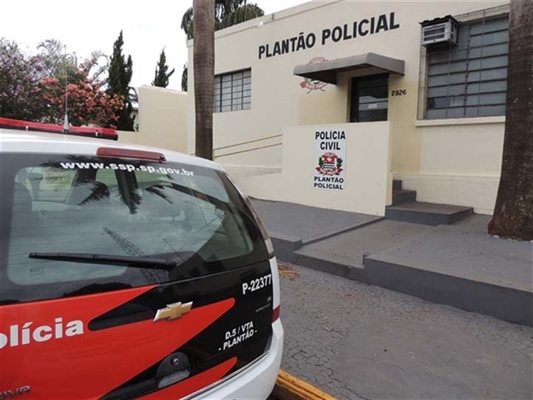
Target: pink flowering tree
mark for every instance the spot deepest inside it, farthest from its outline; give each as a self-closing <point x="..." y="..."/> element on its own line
<point x="87" y="102"/>
<point x="33" y="89"/>
<point x="20" y="92"/>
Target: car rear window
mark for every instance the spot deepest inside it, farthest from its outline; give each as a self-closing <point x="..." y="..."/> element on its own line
<point x="186" y="214"/>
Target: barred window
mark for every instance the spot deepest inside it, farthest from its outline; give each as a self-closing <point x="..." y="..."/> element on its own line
<point x="233" y="91"/>
<point x="470" y="80"/>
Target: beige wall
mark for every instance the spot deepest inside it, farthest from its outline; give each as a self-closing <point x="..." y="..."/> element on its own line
<point x="418" y="152"/>
<point x="367" y="168"/>
<point x="279" y="101"/>
<point x="460" y="163"/>
<point x="162" y="119"/>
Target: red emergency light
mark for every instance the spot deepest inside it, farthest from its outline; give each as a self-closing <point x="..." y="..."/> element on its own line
<point x="127" y="153"/>
<point x="96" y="132"/>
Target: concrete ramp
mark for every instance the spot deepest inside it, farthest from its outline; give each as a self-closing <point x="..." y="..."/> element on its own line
<point x="293" y="225"/>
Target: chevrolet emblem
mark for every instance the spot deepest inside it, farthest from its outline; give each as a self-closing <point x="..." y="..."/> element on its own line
<point x="172" y="311"/>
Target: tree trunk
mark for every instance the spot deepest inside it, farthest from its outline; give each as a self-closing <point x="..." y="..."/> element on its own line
<point x="513" y="214"/>
<point x="204" y="74"/>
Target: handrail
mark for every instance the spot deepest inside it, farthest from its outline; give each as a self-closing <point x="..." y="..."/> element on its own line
<point x="247" y="150"/>
<point x="249" y="141"/>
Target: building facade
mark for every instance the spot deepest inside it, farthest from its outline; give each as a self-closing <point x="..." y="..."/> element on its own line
<point x="326" y="103"/>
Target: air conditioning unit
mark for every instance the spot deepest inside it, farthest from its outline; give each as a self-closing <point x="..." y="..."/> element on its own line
<point x="440" y="32"/>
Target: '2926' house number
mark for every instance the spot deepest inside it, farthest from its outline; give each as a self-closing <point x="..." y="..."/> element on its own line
<point x="400" y="92"/>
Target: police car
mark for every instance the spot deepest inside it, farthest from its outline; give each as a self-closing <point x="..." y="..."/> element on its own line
<point x="129" y="272"/>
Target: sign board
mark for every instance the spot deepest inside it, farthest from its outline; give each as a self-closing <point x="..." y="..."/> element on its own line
<point x="349" y="31"/>
<point x="330" y="159"/>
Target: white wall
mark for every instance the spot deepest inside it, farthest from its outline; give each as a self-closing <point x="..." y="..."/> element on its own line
<point x="162" y="119"/>
<point x="460" y="163"/>
<point x="367" y="167"/>
<point x="446" y="161"/>
<point x="278" y="100"/>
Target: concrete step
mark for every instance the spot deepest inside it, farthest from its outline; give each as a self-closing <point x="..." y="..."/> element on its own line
<point x="403" y="196"/>
<point x="427" y="213"/>
<point x="397" y="184"/>
<point x="340" y="266"/>
<point x="461" y="268"/>
<point x="343" y="254"/>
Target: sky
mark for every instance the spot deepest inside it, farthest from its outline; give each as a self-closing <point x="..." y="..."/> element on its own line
<point x="88" y="25"/>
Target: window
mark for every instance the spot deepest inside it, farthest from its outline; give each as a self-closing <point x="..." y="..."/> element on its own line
<point x="370" y="99"/>
<point x="112" y="207"/>
<point x="233" y="91"/>
<point x="470" y="80"/>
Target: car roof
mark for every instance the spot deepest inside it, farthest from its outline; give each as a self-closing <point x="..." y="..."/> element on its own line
<point x="16" y="141"/>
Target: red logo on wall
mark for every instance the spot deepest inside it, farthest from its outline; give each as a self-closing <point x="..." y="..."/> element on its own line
<point x="329" y="164"/>
<point x="312" y="84"/>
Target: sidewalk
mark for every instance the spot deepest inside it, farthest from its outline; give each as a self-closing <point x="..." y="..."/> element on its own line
<point x="356" y="341"/>
<point x="458" y="264"/>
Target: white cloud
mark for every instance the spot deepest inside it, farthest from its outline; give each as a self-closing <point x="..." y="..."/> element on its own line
<point x="87" y="25"/>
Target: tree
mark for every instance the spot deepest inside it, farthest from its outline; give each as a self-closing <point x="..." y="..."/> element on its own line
<point x="227" y="13"/>
<point x="98" y="63"/>
<point x="185" y="78"/>
<point x="57" y="62"/>
<point x="204" y="75"/>
<point x="161" y="74"/>
<point x="120" y="73"/>
<point x="54" y="57"/>
<point x="33" y="88"/>
<point x="20" y="75"/>
<point x="87" y="102"/>
<point x="513" y="214"/>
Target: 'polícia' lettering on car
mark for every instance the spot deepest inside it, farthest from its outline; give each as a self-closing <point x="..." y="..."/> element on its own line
<point x="25" y="335"/>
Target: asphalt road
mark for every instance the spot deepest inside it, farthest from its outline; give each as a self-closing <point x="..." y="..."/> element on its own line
<point x="356" y="341"/>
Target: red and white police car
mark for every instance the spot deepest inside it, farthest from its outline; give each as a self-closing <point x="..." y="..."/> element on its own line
<point x="129" y="272"/>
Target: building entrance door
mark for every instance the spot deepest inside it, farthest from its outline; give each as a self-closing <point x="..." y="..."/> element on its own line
<point x="370" y="98"/>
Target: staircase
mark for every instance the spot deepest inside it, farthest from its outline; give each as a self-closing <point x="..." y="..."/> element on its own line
<point x="405" y="208"/>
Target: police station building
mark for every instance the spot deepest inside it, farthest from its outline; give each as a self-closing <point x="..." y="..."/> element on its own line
<point x="326" y="103"/>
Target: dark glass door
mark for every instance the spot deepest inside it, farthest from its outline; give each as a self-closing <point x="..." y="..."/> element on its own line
<point x="370" y="99"/>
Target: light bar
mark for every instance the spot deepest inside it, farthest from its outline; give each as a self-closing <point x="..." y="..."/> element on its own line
<point x="96" y="132"/>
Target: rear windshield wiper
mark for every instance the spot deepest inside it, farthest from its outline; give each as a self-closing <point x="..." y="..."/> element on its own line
<point x="122" y="261"/>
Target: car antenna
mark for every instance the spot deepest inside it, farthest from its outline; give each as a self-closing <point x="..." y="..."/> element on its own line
<point x="65" y="120"/>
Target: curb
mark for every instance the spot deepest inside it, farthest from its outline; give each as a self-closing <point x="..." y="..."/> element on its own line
<point x="290" y="388"/>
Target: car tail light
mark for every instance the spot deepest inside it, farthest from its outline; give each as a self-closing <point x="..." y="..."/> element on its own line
<point x="126" y="153"/>
<point x="275" y="313"/>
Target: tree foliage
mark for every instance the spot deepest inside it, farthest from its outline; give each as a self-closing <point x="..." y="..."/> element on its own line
<point x="118" y="83"/>
<point x="56" y="61"/>
<point x="20" y="92"/>
<point x="161" y="71"/>
<point x="32" y="87"/>
<point x="87" y="102"/>
<point x="227" y="13"/>
<point x="185" y="78"/>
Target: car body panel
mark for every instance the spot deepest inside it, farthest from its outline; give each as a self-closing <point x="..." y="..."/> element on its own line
<point x="119" y="343"/>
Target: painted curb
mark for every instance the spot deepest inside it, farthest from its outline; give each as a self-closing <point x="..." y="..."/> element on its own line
<point x="290" y="388"/>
